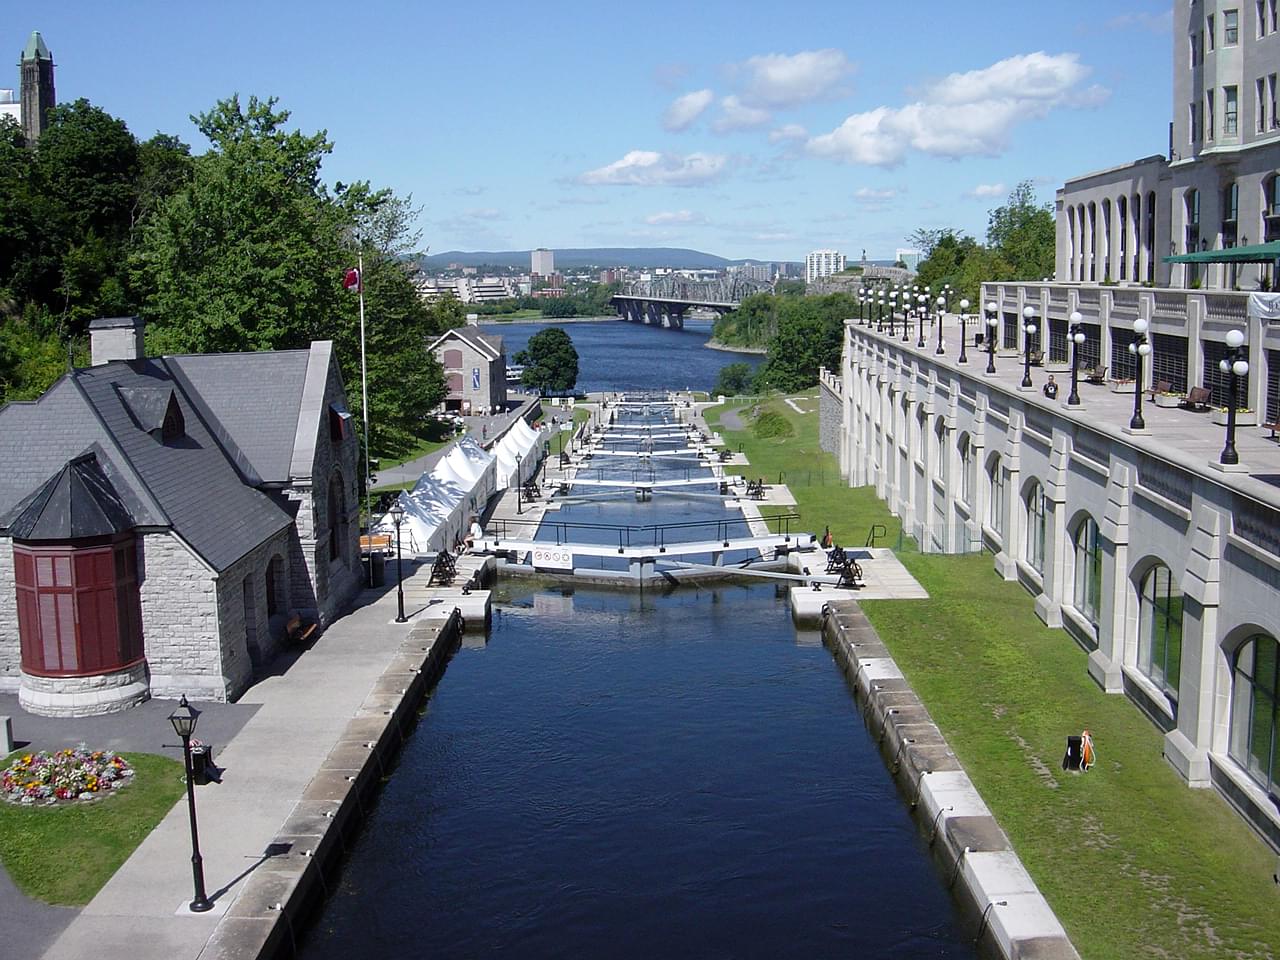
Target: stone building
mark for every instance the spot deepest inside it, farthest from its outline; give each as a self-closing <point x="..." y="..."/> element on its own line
<point x="37" y="93"/>
<point x="161" y="518"/>
<point x="475" y="371"/>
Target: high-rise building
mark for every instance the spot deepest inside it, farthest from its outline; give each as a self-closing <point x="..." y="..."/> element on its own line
<point x="542" y="262"/>
<point x="1218" y="186"/>
<point x="36" y="72"/>
<point x="822" y="263"/>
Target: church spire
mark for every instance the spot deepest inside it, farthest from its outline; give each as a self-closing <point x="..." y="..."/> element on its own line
<point x="38" y="97"/>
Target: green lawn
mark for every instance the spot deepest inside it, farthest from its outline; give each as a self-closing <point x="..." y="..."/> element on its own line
<point x="65" y="854"/>
<point x="1134" y="863"/>
<point x="434" y="436"/>
<point x="561" y="439"/>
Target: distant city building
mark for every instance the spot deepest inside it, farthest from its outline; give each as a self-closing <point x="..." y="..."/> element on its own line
<point x="823" y="263"/>
<point x="542" y="262"/>
<point x="756" y="271"/>
<point x="611" y="276"/>
<point x="911" y="258"/>
<point x="465" y="289"/>
<point x="10" y="105"/>
<point x="38" y="98"/>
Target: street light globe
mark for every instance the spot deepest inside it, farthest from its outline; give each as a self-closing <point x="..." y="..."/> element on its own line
<point x="1144" y="349"/>
<point x="964" y="304"/>
<point x="1234" y="338"/>
<point x="1133" y="348"/>
<point x="1031" y="329"/>
<point x="1078" y="338"/>
<point x="991" y="306"/>
<point x="1140" y="326"/>
<point x="1224" y="366"/>
<point x="1028" y="311"/>
<point x="1075" y="317"/>
<point x="993" y="321"/>
<point x="1240" y="368"/>
<point x="941" y="301"/>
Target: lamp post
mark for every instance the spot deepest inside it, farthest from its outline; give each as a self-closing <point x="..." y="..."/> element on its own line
<point x="993" y="321"/>
<point x="1139" y="348"/>
<point x="519" y="505"/>
<point x="397" y="517"/>
<point x="964" y="329"/>
<point x="1077" y="341"/>
<point x="921" y="308"/>
<point x="1028" y="331"/>
<point x="1235" y="365"/>
<point x="862" y="304"/>
<point x="184" y="725"/>
<point x="893" y="306"/>
<point x="942" y="304"/>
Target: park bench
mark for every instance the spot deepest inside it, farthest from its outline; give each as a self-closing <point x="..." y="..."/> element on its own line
<point x="1037" y="358"/>
<point x="443" y="570"/>
<point x="379" y="542"/>
<point x="1274" y="427"/>
<point x="298" y="631"/>
<point x="1197" y="399"/>
<point x="1096" y="375"/>
<point x="1161" y="386"/>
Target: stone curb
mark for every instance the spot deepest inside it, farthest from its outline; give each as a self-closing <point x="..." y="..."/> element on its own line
<point x="995" y="889"/>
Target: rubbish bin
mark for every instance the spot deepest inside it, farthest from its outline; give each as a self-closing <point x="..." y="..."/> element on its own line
<point x="201" y="762"/>
<point x="375" y="569"/>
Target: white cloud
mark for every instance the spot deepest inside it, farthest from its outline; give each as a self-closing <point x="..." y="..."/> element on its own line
<point x="673" y="216"/>
<point x="983" y="190"/>
<point x="870" y="195"/>
<point x="789" y="131"/>
<point x="963" y="115"/>
<point x="684" y="110"/>
<point x="647" y="168"/>
<point x="736" y="115"/>
<point x="484" y="213"/>
<point x="780" y="80"/>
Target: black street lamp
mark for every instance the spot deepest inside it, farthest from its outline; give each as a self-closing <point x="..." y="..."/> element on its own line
<point x="184" y="725"/>
<point x="1077" y="341"/>
<point x="993" y="321"/>
<point x="1236" y="365"/>
<point x="1028" y="331"/>
<point x="397" y="517"/>
<point x="519" y="505"/>
<point x="1139" y="348"/>
<point x="964" y="329"/>
<point x="921" y="309"/>
<point x="942" y="305"/>
<point x="862" y="306"/>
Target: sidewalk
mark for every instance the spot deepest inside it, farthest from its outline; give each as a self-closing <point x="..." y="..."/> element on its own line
<point x="141" y="912"/>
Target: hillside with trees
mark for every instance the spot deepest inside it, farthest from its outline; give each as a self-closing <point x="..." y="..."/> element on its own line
<point x="241" y="247"/>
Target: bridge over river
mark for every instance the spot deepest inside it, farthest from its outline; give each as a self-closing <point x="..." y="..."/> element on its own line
<point x="664" y="301"/>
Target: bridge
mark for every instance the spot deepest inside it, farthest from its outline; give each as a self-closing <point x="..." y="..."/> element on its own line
<point x="663" y="301"/>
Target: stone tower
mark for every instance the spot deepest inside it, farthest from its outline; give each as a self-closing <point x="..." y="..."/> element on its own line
<point x="37" y="87"/>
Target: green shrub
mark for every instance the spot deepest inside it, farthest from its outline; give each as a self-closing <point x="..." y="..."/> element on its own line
<point x="772" y="425"/>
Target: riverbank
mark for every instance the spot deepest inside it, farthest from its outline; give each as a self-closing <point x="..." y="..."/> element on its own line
<point x="1132" y="861"/>
<point x="729" y="348"/>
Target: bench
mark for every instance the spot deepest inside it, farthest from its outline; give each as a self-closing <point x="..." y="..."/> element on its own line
<point x="298" y="631"/>
<point x="443" y="570"/>
<point x="1273" y="427"/>
<point x="1096" y="375"/>
<point x="1197" y="399"/>
<point x="1037" y="358"/>
<point x="1161" y="386"/>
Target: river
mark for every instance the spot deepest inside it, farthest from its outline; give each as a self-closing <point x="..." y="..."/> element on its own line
<point x="614" y="355"/>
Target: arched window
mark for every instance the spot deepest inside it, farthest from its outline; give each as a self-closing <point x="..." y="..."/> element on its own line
<point x="941" y="454"/>
<point x="995" y="474"/>
<point x="1160" y="629"/>
<point x="966" y="468"/>
<point x="922" y="429"/>
<point x="1087" y="592"/>
<point x="1271" y="208"/>
<point x="336" y="514"/>
<point x="1255" y="691"/>
<point x="1035" y="527"/>
<point x="277" y="598"/>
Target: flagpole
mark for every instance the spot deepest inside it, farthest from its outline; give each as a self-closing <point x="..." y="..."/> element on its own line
<point x="364" y="398"/>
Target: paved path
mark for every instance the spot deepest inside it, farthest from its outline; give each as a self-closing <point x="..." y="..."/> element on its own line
<point x="297" y="717"/>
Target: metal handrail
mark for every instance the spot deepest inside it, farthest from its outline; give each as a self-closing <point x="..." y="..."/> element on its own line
<point x="649" y="534"/>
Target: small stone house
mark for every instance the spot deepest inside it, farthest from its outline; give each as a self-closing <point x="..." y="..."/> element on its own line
<point x="160" y="519"/>
<point x="475" y="371"/>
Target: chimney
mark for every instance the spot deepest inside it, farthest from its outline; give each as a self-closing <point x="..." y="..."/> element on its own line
<point x="115" y="338"/>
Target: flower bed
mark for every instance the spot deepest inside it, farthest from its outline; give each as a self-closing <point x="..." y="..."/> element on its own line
<point x="65" y="775"/>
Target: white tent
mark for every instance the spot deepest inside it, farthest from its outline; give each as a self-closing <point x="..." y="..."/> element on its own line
<point x="429" y="509"/>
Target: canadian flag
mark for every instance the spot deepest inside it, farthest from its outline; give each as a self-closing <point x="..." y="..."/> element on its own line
<point x="351" y="280"/>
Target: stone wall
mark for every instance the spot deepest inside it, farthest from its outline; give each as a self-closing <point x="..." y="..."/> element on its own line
<point x="250" y="637"/>
<point x="10" y="647"/>
<point x="179" y="620"/>
<point x="829" y="413"/>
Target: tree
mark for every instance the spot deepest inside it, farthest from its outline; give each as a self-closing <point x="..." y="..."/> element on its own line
<point x="734" y="378"/>
<point x="1022" y="234"/>
<point x="550" y="362"/>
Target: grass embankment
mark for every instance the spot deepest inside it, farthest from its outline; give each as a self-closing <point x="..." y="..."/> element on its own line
<point x="1134" y="863"/>
<point x="433" y="437"/>
<point x="65" y="854"/>
<point x="561" y="439"/>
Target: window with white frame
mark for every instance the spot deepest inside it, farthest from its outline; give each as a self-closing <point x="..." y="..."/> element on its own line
<point x="1160" y="629"/>
<point x="995" y="475"/>
<point x="942" y="464"/>
<point x="1209" y="121"/>
<point x="1035" y="527"/>
<point x="1230" y="27"/>
<point x="1210" y="40"/>
<point x="1255" y="714"/>
<point x="1087" y="593"/>
<point x="1260" y="104"/>
<point x="1230" y="111"/>
<point x="1262" y="17"/>
<point x="966" y="469"/>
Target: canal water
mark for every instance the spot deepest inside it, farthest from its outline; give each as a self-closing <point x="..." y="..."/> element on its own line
<point x="614" y="355"/>
<point x="620" y="774"/>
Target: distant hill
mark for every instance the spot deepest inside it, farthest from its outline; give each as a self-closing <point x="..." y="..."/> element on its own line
<point x="574" y="257"/>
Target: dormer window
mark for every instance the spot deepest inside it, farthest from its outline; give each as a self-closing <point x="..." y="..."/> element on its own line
<point x="155" y="410"/>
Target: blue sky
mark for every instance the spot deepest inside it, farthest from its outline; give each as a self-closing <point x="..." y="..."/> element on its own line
<point x="744" y="129"/>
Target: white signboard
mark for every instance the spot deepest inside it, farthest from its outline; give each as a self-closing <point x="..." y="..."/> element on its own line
<point x="552" y="558"/>
<point x="475" y="378"/>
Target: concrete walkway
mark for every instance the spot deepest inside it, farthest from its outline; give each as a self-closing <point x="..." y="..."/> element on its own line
<point x="300" y="714"/>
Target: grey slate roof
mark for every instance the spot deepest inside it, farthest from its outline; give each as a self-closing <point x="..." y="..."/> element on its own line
<point x="197" y="484"/>
<point x="253" y="397"/>
<point x="488" y="344"/>
<point x="78" y="501"/>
